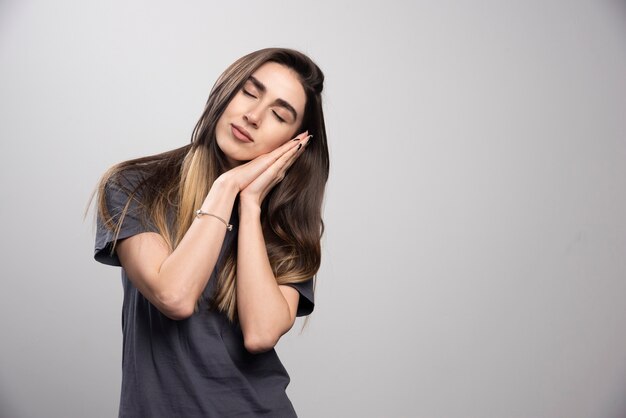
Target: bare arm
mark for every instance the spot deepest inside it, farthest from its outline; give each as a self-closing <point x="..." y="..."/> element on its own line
<point x="174" y="281"/>
<point x="266" y="310"/>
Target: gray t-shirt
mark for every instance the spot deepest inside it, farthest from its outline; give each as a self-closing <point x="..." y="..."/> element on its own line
<point x="196" y="367"/>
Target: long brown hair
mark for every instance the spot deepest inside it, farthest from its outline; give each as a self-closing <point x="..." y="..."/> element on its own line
<point x="179" y="180"/>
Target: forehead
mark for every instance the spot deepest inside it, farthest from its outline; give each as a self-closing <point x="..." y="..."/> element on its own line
<point x="282" y="83"/>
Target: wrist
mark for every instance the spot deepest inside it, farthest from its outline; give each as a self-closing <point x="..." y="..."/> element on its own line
<point x="248" y="204"/>
<point x="226" y="184"/>
<point x="220" y="198"/>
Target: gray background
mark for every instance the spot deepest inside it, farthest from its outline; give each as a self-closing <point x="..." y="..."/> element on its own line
<point x="474" y="259"/>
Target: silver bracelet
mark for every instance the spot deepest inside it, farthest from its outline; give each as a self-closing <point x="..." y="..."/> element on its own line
<point x="201" y="212"/>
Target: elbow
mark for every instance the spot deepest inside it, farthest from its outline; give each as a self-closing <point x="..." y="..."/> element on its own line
<point x="259" y="339"/>
<point x="175" y="307"/>
<point x="257" y="344"/>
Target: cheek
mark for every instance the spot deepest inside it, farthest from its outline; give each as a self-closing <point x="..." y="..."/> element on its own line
<point x="277" y="140"/>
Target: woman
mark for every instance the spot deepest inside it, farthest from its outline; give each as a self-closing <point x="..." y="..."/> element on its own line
<point x="219" y="242"/>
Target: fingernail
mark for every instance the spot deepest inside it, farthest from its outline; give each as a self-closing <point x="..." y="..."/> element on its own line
<point x="298" y="137"/>
<point x="299" y="146"/>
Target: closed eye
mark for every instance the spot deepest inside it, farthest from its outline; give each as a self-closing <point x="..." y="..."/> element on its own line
<point x="279" y="118"/>
<point x="247" y="93"/>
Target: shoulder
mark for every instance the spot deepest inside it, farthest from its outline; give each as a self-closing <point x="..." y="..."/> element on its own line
<point x="122" y="213"/>
<point x="127" y="179"/>
<point x="122" y="194"/>
<point x="123" y="188"/>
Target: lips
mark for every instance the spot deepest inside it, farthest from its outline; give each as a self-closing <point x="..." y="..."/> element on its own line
<point x="240" y="133"/>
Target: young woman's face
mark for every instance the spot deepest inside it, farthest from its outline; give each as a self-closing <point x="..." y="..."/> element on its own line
<point x="262" y="115"/>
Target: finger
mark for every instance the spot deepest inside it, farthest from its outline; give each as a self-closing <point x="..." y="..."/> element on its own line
<point x="276" y="172"/>
<point x="264" y="161"/>
<point x="290" y="144"/>
<point x="301" y="136"/>
<point x="271" y="162"/>
<point x="299" y="150"/>
<point x="284" y="162"/>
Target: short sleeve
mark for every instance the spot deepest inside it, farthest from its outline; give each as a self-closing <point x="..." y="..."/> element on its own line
<point x="116" y="198"/>
<point x="306" y="302"/>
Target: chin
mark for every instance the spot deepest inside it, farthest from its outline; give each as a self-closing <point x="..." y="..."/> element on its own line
<point x="235" y="158"/>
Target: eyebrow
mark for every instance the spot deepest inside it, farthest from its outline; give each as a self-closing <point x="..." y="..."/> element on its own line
<point x="278" y="101"/>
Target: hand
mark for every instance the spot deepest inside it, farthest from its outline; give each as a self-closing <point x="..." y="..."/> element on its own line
<point x="274" y="172"/>
<point x="241" y="176"/>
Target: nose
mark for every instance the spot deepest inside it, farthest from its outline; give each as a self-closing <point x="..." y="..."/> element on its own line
<point x="252" y="117"/>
